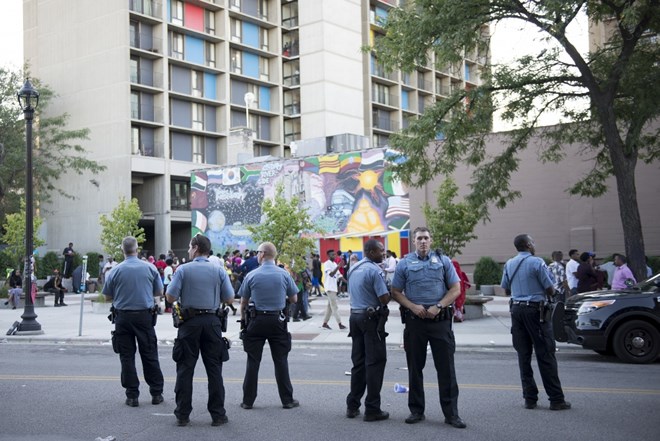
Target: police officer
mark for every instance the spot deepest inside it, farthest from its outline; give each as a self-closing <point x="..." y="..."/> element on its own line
<point x="132" y="286"/>
<point x="267" y="288"/>
<point x="528" y="280"/>
<point x="425" y="284"/>
<point x="369" y="295"/>
<point x="200" y="287"/>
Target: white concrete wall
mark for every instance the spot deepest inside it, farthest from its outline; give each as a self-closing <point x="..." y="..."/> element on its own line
<point x="331" y="67"/>
<point x="78" y="48"/>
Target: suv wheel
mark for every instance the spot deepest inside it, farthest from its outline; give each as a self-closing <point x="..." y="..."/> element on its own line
<point x="636" y="342"/>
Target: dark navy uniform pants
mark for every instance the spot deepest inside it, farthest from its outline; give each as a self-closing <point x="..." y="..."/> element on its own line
<point x="274" y="330"/>
<point x="417" y="334"/>
<point x="528" y="334"/>
<point x="132" y="327"/>
<point x="369" y="356"/>
<point x="200" y="334"/>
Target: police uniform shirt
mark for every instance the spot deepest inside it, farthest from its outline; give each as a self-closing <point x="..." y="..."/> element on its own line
<point x="366" y="283"/>
<point x="423" y="280"/>
<point x="264" y="285"/>
<point x="530" y="281"/>
<point x="132" y="284"/>
<point x="193" y="281"/>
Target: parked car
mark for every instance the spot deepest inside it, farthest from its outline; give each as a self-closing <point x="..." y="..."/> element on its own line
<point x="624" y="322"/>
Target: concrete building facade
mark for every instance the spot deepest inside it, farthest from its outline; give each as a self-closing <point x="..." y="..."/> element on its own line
<point x="162" y="84"/>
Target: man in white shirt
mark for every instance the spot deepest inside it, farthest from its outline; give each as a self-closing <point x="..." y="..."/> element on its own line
<point x="571" y="269"/>
<point x="330" y="277"/>
<point x="390" y="266"/>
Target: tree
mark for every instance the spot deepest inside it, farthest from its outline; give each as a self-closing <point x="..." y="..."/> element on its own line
<point x="56" y="148"/>
<point x="620" y="80"/>
<point x="285" y="225"/>
<point x="123" y="221"/>
<point x="14" y="235"/>
<point x="451" y="224"/>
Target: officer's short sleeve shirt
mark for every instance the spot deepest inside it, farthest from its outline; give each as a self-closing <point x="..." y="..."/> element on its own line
<point x="268" y="287"/>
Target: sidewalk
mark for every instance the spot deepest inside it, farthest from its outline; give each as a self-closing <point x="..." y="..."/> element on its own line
<point x="60" y="325"/>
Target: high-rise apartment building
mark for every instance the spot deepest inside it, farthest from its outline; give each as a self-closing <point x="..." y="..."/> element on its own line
<point x="162" y="83"/>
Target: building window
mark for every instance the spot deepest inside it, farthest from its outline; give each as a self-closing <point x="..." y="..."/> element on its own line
<point x="209" y="22"/>
<point x="291" y="74"/>
<point x="197" y="83"/>
<point x="235" y="4"/>
<point x="198" y="149"/>
<point x="180" y="195"/>
<point x="177" y="12"/>
<point x="236" y="61"/>
<point x="264" y="68"/>
<point x="136" y="147"/>
<point x="198" y="116"/>
<point x="236" y="28"/>
<point x="176" y="45"/>
<point x="135" y="105"/>
<point x="135" y="69"/>
<point x="135" y="33"/>
<point x="263" y="36"/>
<point x="210" y="54"/>
<point x="381" y="93"/>
<point x="262" y="9"/>
<point x="290" y="15"/>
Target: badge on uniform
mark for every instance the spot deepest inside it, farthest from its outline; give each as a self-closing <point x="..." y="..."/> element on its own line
<point x="434" y="259"/>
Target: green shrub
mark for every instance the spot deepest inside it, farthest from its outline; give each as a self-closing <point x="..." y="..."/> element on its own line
<point x="93" y="264"/>
<point x="47" y="264"/>
<point x="487" y="272"/>
<point x="6" y="263"/>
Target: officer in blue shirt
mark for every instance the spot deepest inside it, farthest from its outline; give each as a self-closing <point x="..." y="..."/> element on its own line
<point x="200" y="287"/>
<point x="132" y="286"/>
<point x="369" y="295"/>
<point x="425" y="284"/>
<point x="267" y="288"/>
<point x="529" y="282"/>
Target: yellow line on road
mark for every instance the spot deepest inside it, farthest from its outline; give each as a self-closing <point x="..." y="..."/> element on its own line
<point x="315" y="382"/>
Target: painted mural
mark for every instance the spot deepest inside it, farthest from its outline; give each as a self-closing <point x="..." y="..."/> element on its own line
<point x="346" y="193"/>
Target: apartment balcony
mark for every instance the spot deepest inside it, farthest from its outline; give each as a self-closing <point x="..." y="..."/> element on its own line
<point x="380" y="72"/>
<point x="442" y="90"/>
<point x="148" y="115"/>
<point x="386" y="99"/>
<point x="291" y="80"/>
<point x="152" y="150"/>
<point x="386" y="124"/>
<point x="292" y="109"/>
<point x="151" y="8"/>
<point x="145" y="41"/>
<point x="290" y="22"/>
<point x="291" y="137"/>
<point x="147" y="77"/>
<point x="424" y="85"/>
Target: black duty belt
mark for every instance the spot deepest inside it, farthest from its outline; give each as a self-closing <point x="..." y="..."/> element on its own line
<point x="526" y="303"/>
<point x="278" y="312"/>
<point x="203" y="311"/>
<point x="132" y="311"/>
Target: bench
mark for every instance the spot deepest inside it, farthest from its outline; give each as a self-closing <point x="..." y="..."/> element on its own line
<point x="474" y="306"/>
<point x="39" y="300"/>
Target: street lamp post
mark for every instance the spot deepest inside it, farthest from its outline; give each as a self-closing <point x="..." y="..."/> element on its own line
<point x="28" y="98"/>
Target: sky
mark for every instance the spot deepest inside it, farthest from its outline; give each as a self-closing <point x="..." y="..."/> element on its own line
<point x="510" y="39"/>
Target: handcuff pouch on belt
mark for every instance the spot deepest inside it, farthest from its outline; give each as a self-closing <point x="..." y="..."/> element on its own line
<point x="113" y="314"/>
<point x="379" y="314"/>
<point x="222" y="313"/>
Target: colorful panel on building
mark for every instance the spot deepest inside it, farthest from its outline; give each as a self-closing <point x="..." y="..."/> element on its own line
<point x="349" y="193"/>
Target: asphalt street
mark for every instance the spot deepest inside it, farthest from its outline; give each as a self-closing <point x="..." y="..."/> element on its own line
<point x="61" y="392"/>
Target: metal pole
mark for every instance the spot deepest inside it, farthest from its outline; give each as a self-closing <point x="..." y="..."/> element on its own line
<point x="82" y="289"/>
<point x="29" y="323"/>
